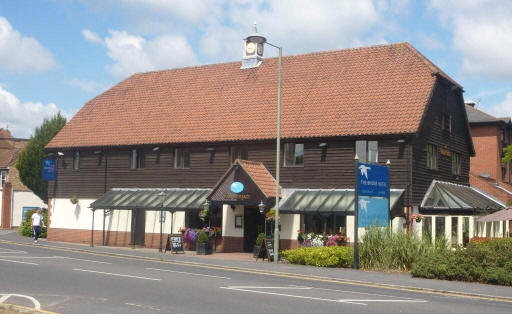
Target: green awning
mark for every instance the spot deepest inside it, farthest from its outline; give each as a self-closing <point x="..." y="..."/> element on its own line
<point x="152" y="199"/>
<point x="451" y="196"/>
<point x="339" y="201"/>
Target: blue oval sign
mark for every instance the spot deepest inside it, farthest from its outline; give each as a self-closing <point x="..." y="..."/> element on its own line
<point x="236" y="187"/>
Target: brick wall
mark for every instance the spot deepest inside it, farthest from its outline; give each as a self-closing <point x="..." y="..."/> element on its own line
<point x="6" y="205"/>
<point x="487" y="147"/>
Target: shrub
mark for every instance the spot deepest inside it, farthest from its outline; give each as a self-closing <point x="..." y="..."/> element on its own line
<point x="333" y="256"/>
<point x="260" y="238"/>
<point x="383" y="249"/>
<point x="487" y="261"/>
<point x="26" y="230"/>
<point x="203" y="237"/>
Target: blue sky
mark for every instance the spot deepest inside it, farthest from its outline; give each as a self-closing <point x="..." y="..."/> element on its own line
<point x="56" y="55"/>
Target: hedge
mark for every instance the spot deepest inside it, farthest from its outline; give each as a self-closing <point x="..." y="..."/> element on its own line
<point x="487" y="262"/>
<point x="326" y="256"/>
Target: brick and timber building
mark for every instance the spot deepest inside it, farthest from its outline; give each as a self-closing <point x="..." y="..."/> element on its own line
<point x="173" y="139"/>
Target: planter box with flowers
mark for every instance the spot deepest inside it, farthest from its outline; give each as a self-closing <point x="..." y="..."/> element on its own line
<point x="203" y="245"/>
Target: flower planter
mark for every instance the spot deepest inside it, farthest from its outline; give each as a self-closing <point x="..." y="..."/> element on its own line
<point x="203" y="248"/>
<point x="418" y="220"/>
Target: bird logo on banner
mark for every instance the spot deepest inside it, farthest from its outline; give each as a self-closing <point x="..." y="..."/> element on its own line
<point x="364" y="170"/>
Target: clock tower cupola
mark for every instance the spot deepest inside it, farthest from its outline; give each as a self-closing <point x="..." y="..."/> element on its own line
<point x="253" y="53"/>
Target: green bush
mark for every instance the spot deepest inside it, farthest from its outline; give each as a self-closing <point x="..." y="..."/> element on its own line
<point x="487" y="262"/>
<point x="383" y="249"/>
<point x="325" y="256"/>
<point x="26" y="230"/>
<point x="203" y="237"/>
<point x="260" y="238"/>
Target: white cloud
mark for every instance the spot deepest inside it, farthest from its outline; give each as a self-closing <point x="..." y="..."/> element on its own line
<point x="503" y="109"/>
<point x="91" y="36"/>
<point x="482" y="32"/>
<point x="19" y="54"/>
<point x="23" y="117"/>
<point x="132" y="53"/>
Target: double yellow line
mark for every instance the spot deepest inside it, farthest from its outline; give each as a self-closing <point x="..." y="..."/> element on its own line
<point x="279" y="274"/>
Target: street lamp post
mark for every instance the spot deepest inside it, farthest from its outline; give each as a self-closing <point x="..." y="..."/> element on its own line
<point x="161" y="194"/>
<point x="260" y="40"/>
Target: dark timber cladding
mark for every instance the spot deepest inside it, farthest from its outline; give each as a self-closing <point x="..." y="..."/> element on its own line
<point x="159" y="172"/>
<point x="448" y="101"/>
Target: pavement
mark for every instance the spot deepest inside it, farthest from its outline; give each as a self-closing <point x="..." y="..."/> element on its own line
<point x="73" y="278"/>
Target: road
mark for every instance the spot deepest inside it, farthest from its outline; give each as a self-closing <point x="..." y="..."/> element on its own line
<point x="73" y="282"/>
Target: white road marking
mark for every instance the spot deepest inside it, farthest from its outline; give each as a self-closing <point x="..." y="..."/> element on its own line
<point x="391" y="299"/>
<point x="12" y="252"/>
<point x="292" y="296"/>
<point x="19" y="262"/>
<point x="84" y="260"/>
<point x="183" y="272"/>
<point x="36" y="303"/>
<point x="144" y="306"/>
<point x="112" y="274"/>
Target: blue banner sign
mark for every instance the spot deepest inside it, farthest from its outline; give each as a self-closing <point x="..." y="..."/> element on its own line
<point x="373" y="211"/>
<point x="49" y="167"/>
<point x="373" y="180"/>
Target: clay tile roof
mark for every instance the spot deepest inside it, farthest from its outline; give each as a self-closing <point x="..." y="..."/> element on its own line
<point x="5" y="133"/>
<point x="8" y="157"/>
<point x="351" y="92"/>
<point x="260" y="175"/>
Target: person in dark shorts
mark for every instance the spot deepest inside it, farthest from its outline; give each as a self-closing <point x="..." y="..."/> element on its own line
<point x="37" y="222"/>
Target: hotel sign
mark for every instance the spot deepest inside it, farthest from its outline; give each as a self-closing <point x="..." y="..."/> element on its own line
<point x="373" y="195"/>
<point x="373" y="180"/>
<point x="49" y="169"/>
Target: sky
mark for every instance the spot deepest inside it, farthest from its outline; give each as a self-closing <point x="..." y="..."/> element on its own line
<point x="55" y="55"/>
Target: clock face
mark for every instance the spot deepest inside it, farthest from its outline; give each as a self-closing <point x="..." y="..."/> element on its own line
<point x="250" y="48"/>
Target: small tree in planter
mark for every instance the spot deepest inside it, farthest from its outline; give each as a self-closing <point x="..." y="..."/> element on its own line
<point x="203" y="245"/>
<point x="256" y="247"/>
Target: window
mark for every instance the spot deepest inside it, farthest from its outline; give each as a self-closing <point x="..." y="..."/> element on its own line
<point x="137" y="159"/>
<point x="432" y="151"/>
<point x="456" y="163"/>
<point x="293" y="154"/>
<point x="455" y="227"/>
<point x="76" y="161"/>
<point x="367" y="151"/>
<point x="238" y="152"/>
<point x="446" y="122"/>
<point x="181" y="158"/>
<point x="3" y="176"/>
<point x="440" y="230"/>
<point x="427" y="228"/>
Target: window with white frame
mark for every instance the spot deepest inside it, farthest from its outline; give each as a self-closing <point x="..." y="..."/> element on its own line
<point x="293" y="154"/>
<point x="181" y="158"/>
<point x="3" y="177"/>
<point x="137" y="159"/>
<point x="367" y="151"/>
<point x="456" y="165"/>
<point x="432" y="152"/>
<point x="76" y="160"/>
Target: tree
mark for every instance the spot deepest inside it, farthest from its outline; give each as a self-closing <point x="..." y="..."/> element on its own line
<point x="30" y="160"/>
<point x="507" y="155"/>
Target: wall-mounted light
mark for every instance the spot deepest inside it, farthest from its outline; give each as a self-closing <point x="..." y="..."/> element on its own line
<point x="210" y="149"/>
<point x="156" y="148"/>
<point x="261" y="207"/>
<point x="322" y="145"/>
<point x="97" y="152"/>
<point x="60" y="153"/>
<point x="400" y="141"/>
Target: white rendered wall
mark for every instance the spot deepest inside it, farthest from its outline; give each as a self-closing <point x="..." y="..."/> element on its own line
<point x="21" y="199"/>
<point x="1" y="209"/>
<point x="228" y="221"/>
<point x="290" y="223"/>
<point x="153" y="221"/>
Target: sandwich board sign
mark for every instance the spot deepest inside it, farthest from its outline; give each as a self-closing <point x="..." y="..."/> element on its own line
<point x="174" y="243"/>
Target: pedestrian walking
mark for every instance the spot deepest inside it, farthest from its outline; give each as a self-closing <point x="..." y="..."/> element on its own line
<point x="37" y="223"/>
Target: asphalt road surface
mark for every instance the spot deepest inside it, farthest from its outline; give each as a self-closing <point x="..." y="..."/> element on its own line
<point x="71" y="282"/>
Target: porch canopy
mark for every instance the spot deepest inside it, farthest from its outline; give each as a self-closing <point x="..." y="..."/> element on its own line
<point x="326" y="201"/>
<point x="501" y="215"/>
<point x="175" y="199"/>
<point x="456" y="198"/>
